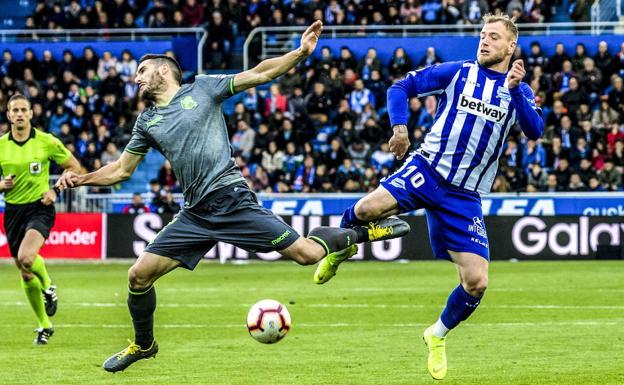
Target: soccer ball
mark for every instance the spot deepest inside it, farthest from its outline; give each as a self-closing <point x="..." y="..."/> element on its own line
<point x="268" y="321"/>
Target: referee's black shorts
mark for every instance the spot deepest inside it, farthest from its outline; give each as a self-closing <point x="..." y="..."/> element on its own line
<point x="20" y="218"/>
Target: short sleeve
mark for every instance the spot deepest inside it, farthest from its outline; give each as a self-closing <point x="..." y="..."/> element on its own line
<point x="57" y="151"/>
<point x="220" y="87"/>
<point x="139" y="142"/>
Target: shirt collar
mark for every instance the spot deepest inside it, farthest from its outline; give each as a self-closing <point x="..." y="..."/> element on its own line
<point x="32" y="135"/>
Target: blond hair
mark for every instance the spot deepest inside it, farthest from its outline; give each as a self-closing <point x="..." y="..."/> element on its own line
<point x="508" y="22"/>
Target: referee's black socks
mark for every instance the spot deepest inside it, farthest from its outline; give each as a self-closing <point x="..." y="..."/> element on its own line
<point x="142" y="306"/>
<point x="335" y="239"/>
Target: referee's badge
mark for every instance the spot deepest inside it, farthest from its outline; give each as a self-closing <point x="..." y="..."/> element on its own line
<point x="35" y="167"/>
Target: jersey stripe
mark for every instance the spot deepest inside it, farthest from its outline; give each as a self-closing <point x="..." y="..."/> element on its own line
<point x="472" y="122"/>
<point x="479" y="139"/>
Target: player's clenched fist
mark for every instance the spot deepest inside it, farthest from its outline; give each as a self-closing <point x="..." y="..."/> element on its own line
<point x="69" y="179"/>
<point x="399" y="143"/>
<point x="515" y="74"/>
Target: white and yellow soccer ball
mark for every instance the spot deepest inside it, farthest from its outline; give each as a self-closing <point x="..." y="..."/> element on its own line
<point x="268" y="321"/>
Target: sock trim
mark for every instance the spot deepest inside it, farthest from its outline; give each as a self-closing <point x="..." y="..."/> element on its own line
<point x="321" y="242"/>
<point x="139" y="292"/>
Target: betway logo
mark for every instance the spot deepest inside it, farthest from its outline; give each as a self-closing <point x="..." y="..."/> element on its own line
<point x="480" y="108"/>
<point x="575" y="238"/>
<point x="74" y="238"/>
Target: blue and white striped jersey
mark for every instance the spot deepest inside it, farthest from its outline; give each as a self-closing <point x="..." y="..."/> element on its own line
<point x="475" y="112"/>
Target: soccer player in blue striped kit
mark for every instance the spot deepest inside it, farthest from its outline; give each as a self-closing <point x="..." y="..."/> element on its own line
<point x="478" y="103"/>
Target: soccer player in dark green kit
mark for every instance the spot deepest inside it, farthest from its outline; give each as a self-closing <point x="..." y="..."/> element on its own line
<point x="186" y="124"/>
<point x="25" y="155"/>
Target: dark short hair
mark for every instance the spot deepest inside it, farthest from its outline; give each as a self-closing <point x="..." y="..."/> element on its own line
<point x="164" y="59"/>
<point x="19" y="97"/>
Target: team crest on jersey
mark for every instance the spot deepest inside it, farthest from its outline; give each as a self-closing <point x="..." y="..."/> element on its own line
<point x="188" y="103"/>
<point x="503" y="94"/>
<point x="35" y="167"/>
<point x="154" y="121"/>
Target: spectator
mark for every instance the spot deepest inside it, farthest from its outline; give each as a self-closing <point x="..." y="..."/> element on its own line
<point x="275" y="101"/>
<point x="111" y="154"/>
<point x="576" y="184"/>
<point x="556" y="61"/>
<point x="399" y="64"/>
<point x="319" y="104"/>
<point x="430" y="58"/>
<point x="368" y="63"/>
<point x="537" y="176"/>
<point x="536" y="57"/>
<point x="167" y="178"/>
<point x="193" y="13"/>
<point x="106" y="62"/>
<point x="360" y="97"/>
<point x="243" y="139"/>
<point x="272" y="160"/>
<point x="137" y="206"/>
<point x="604" y="62"/>
<point x="604" y="116"/>
<point x="346" y="60"/>
<point x="610" y="178"/>
<point x="169" y="205"/>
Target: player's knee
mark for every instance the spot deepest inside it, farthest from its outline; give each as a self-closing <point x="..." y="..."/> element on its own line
<point x="26" y="276"/>
<point x="138" y="279"/>
<point x="26" y="259"/>
<point x="476" y="285"/>
<point x="305" y="257"/>
<point x="366" y="210"/>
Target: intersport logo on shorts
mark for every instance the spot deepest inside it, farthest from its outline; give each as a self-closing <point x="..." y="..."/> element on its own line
<point x="580" y="237"/>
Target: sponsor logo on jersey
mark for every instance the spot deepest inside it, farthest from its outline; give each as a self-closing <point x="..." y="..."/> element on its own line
<point x="35" y="167"/>
<point x="154" y="121"/>
<point x="480" y="108"/>
<point x="188" y="103"/>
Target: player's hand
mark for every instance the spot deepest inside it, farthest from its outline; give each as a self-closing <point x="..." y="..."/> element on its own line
<point x="6" y="183"/>
<point x="399" y="143"/>
<point x="49" y="197"/>
<point x="515" y="74"/>
<point x="310" y="38"/>
<point x="68" y="179"/>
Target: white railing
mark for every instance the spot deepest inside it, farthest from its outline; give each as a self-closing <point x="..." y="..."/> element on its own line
<point x="109" y="34"/>
<point x="276" y="41"/>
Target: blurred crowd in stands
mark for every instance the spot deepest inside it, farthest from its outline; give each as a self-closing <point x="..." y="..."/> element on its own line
<point x="323" y="127"/>
<point x="227" y="20"/>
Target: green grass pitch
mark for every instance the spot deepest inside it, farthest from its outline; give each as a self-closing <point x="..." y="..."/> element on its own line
<point x="539" y="323"/>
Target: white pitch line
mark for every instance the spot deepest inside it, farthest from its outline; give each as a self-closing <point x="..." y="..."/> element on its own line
<point x="325" y="325"/>
<point x="328" y="305"/>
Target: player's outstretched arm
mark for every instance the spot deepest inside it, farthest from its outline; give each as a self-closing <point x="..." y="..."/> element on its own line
<point x="271" y="69"/>
<point x="522" y="98"/>
<point x="110" y="174"/>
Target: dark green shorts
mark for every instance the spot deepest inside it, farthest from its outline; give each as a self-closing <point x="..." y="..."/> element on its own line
<point x="231" y="215"/>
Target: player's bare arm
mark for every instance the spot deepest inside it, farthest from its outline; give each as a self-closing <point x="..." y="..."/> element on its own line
<point x="72" y="164"/>
<point x="110" y="174"/>
<point x="271" y="69"/>
<point x="399" y="143"/>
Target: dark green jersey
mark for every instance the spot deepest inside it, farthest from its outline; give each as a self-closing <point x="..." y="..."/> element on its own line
<point x="191" y="133"/>
<point x="29" y="162"/>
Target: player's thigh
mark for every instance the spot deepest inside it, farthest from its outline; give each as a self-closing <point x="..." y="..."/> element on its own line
<point x="185" y="239"/>
<point x="378" y="204"/>
<point x="29" y="247"/>
<point x="456" y="224"/>
<point x="414" y="185"/>
<point x="148" y="268"/>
